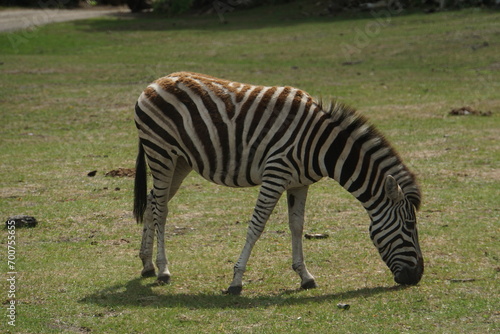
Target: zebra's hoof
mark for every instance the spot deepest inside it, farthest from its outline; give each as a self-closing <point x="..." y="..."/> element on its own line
<point x="233" y="290"/>
<point x="309" y="285"/>
<point x="162" y="280"/>
<point x="148" y="273"/>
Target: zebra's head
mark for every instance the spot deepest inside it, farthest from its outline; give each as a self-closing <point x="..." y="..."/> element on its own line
<point x="393" y="231"/>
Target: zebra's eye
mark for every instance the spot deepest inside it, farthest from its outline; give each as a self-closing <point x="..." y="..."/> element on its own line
<point x="410" y="224"/>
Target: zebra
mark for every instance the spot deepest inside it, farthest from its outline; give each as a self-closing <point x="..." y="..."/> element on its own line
<point x="242" y="135"/>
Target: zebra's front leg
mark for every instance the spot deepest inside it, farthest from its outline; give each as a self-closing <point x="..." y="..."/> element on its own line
<point x="265" y="204"/>
<point x="296" y="211"/>
<point x="148" y="233"/>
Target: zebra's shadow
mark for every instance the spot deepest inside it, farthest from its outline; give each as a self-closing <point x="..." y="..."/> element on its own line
<point x="137" y="293"/>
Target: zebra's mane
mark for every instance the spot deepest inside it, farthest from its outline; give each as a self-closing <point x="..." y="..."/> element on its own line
<point x="349" y="117"/>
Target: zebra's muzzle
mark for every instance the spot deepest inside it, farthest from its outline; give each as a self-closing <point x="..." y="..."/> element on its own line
<point x="410" y="275"/>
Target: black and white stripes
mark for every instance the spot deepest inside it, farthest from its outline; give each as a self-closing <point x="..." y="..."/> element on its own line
<point x="280" y="138"/>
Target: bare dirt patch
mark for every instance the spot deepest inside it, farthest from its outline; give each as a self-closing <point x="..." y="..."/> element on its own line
<point x="121" y="172"/>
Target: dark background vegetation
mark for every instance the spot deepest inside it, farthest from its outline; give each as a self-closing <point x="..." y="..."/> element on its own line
<point x="174" y="7"/>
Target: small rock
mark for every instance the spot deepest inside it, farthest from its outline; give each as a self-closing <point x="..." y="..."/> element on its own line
<point x="464" y="111"/>
<point x="462" y="280"/>
<point x="356" y="62"/>
<point x="344" y="307"/>
<point x="92" y="173"/>
<point x="316" y="235"/>
<point x="21" y="221"/>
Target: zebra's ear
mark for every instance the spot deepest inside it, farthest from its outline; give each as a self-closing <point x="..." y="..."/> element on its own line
<point x="392" y="189"/>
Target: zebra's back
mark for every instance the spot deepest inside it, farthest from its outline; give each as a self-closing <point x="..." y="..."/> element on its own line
<point x="229" y="132"/>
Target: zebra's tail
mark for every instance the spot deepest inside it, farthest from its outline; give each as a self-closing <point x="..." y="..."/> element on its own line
<point x="140" y="185"/>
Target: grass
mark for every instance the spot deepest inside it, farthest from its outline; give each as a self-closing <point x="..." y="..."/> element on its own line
<point x="67" y="93"/>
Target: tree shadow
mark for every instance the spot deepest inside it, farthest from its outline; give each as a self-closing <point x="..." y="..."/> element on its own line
<point x="136" y="293"/>
<point x="157" y="22"/>
<point x="237" y="19"/>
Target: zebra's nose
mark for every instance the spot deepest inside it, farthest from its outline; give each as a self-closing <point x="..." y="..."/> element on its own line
<point x="410" y="275"/>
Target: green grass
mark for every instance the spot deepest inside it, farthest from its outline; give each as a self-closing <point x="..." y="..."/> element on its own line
<point x="67" y="93"/>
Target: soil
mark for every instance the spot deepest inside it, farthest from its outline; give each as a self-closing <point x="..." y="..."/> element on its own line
<point x="122" y="172"/>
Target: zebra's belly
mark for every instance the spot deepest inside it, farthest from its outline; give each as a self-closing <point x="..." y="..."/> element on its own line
<point x="240" y="175"/>
<point x="233" y="174"/>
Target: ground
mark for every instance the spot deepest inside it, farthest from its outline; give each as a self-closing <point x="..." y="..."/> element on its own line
<point x="16" y="19"/>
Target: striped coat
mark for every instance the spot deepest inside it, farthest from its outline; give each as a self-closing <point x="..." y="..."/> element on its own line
<point x="280" y="138"/>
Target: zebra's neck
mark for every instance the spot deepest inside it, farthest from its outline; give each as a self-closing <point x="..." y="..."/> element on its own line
<point x="359" y="158"/>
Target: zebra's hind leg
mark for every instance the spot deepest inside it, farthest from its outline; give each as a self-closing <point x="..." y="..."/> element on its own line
<point x="269" y="194"/>
<point x="165" y="186"/>
<point x="162" y="169"/>
<point x="148" y="234"/>
<point x="161" y="257"/>
<point x="296" y="209"/>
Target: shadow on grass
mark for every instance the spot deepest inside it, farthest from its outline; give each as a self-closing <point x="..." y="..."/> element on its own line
<point x="154" y="22"/>
<point x="241" y="19"/>
<point x="136" y="293"/>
